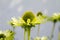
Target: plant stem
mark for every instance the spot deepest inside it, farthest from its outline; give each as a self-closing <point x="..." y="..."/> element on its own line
<point x="38" y="30"/>
<point x="14" y="32"/>
<point x="28" y="34"/>
<point x="52" y="31"/>
<point x="25" y="34"/>
<point x="59" y="33"/>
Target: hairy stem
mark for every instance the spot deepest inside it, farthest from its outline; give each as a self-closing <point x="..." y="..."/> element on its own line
<point x="38" y="30"/>
<point x="59" y="33"/>
<point x="25" y="34"/>
<point x="29" y="34"/>
<point x="52" y="31"/>
<point x="14" y="32"/>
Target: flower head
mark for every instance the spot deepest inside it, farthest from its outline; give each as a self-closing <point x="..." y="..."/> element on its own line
<point x="54" y="18"/>
<point x="6" y="34"/>
<point x="30" y="19"/>
<point x="27" y="20"/>
<point x="2" y="35"/>
<point x="41" y="17"/>
<point x="14" y="22"/>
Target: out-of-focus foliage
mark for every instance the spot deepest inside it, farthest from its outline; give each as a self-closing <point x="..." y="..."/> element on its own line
<point x="27" y="21"/>
<point x="44" y="38"/>
<point x="41" y="38"/>
<point x="37" y="38"/>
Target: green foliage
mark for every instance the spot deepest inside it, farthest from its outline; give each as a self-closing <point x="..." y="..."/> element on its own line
<point x="59" y="16"/>
<point x="41" y="38"/>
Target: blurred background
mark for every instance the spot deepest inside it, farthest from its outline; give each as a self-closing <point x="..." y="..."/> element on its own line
<point x="15" y="8"/>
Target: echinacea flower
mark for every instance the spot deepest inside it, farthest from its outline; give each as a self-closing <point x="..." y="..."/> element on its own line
<point x="42" y="19"/>
<point x="54" y="19"/>
<point x="27" y="21"/>
<point x="30" y="19"/>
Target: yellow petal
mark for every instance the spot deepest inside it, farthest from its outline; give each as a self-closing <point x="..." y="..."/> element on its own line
<point x="14" y="21"/>
<point x="35" y="21"/>
<point x="21" y="20"/>
<point x="41" y="19"/>
<point x="8" y="33"/>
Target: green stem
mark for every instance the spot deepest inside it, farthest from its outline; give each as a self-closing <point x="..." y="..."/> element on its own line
<point x="38" y="30"/>
<point x="59" y="33"/>
<point x="25" y="34"/>
<point x="29" y="34"/>
<point x="14" y="32"/>
<point x="52" y="31"/>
